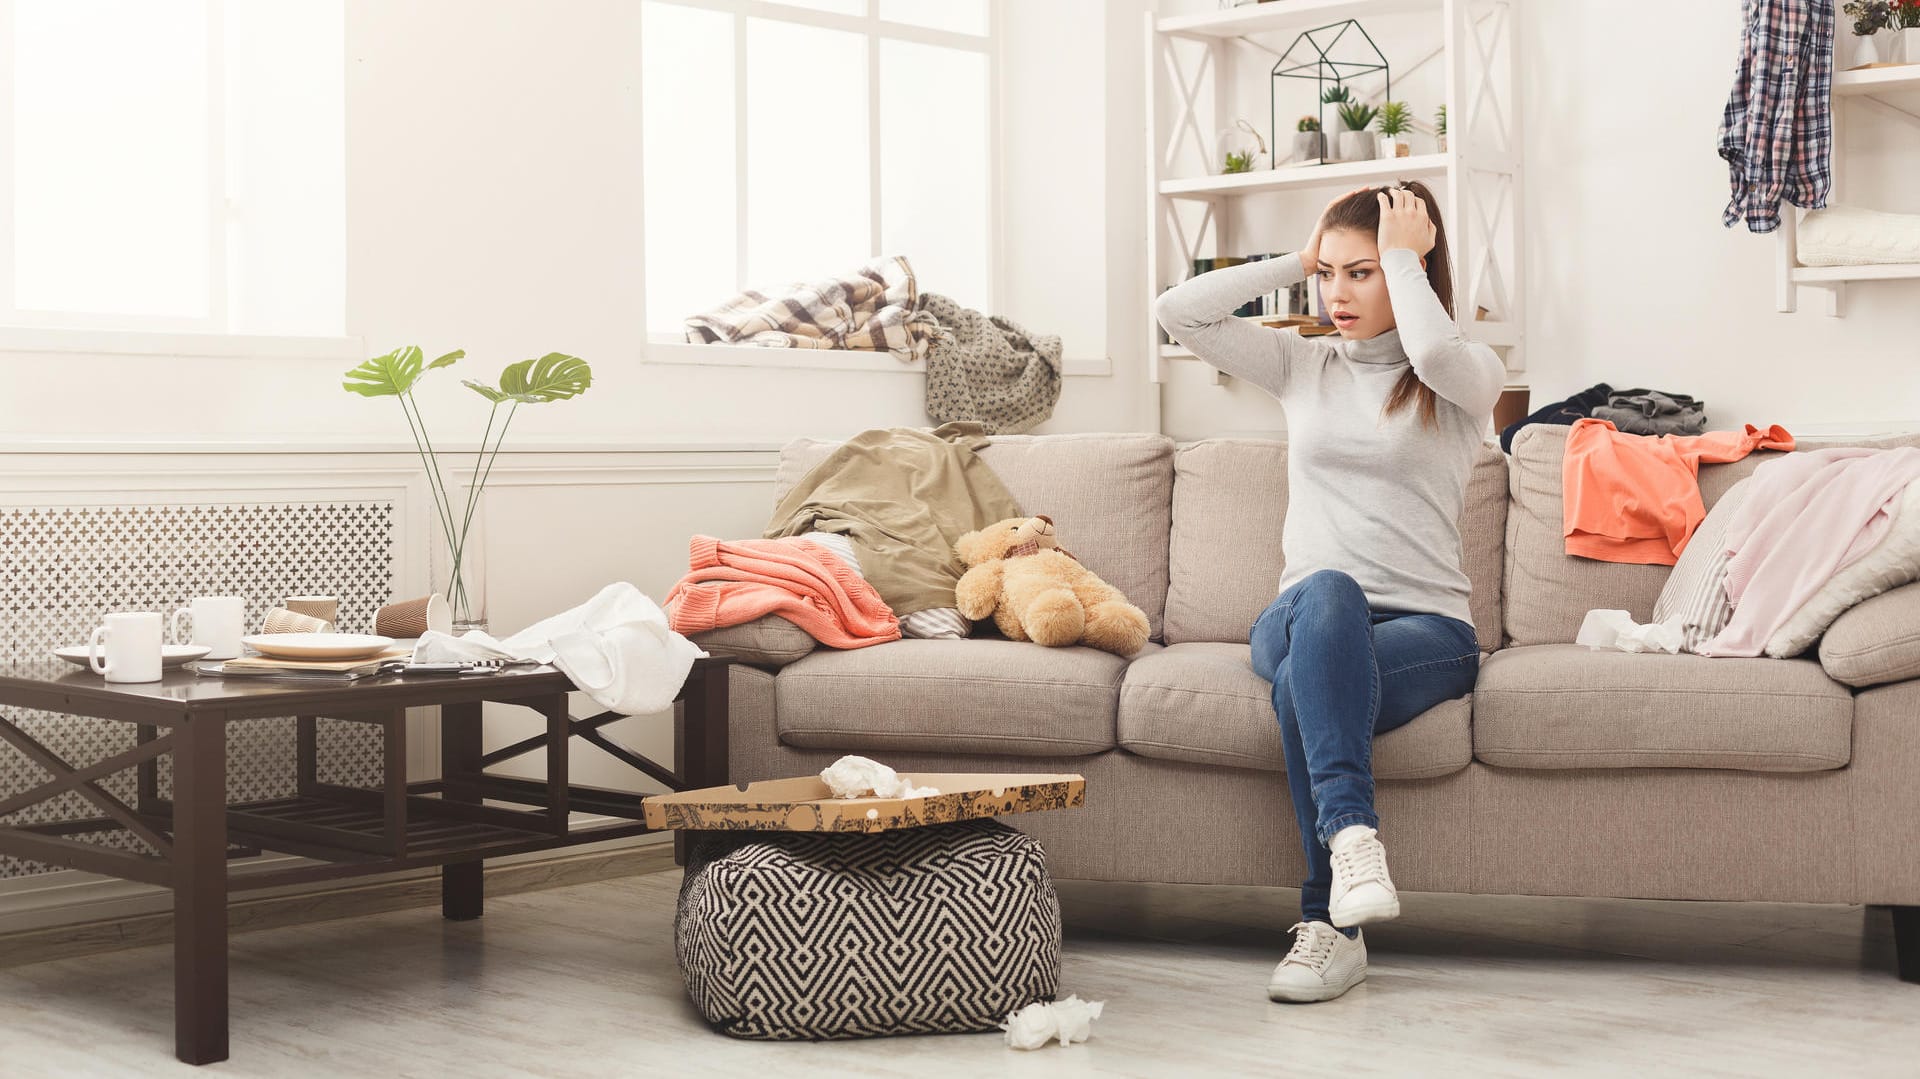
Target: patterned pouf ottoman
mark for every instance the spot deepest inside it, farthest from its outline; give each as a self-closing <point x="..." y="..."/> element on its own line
<point x="941" y="929"/>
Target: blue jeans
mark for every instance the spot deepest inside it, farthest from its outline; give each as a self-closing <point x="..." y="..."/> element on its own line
<point x="1343" y="673"/>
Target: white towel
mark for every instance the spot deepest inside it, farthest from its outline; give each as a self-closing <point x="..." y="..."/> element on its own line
<point x="616" y="647"/>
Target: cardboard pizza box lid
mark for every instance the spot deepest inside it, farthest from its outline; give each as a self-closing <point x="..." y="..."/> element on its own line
<point x="806" y="804"/>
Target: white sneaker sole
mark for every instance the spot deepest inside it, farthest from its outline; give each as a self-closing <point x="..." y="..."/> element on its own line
<point x="1348" y="917"/>
<point x="1310" y="994"/>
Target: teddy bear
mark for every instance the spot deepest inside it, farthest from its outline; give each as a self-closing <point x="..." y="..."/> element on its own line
<point x="1037" y="590"/>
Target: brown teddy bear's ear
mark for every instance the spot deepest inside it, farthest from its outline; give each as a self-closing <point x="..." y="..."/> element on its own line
<point x="967" y="547"/>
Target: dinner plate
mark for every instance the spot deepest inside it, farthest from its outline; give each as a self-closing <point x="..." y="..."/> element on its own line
<point x="171" y="655"/>
<point x="318" y="645"/>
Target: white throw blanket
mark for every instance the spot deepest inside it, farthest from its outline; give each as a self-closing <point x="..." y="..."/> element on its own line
<point x="616" y="647"/>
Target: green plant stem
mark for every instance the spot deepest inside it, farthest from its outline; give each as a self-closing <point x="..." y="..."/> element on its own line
<point x="442" y="502"/>
<point x="473" y="492"/>
<point x="425" y="449"/>
<point x="473" y="489"/>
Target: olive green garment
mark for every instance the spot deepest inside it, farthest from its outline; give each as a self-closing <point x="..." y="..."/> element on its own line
<point x="902" y="496"/>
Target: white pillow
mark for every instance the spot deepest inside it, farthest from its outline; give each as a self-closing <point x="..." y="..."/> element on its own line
<point x="1852" y="236"/>
<point x="1892" y="562"/>
<point x="1696" y="588"/>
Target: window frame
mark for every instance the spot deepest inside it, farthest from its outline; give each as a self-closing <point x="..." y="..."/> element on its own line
<point x="31" y="330"/>
<point x="667" y="347"/>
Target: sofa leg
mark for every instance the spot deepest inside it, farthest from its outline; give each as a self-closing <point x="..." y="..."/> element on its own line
<point x="1906" y="942"/>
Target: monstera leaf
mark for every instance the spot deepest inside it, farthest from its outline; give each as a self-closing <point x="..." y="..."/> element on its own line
<point x="394" y="373"/>
<point x="553" y="377"/>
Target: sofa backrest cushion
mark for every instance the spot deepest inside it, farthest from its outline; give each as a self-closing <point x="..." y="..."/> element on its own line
<point x="1229" y="503"/>
<point x="1110" y="497"/>
<point x="1548" y="591"/>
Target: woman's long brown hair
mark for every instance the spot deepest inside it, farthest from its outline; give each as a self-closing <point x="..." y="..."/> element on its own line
<point x="1360" y="212"/>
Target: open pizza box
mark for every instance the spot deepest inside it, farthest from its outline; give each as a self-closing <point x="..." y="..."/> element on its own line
<point x="807" y="804"/>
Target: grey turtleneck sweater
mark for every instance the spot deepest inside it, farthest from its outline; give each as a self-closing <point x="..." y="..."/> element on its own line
<point x="1377" y="498"/>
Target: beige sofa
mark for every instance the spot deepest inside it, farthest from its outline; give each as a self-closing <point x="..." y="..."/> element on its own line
<point x="1567" y="772"/>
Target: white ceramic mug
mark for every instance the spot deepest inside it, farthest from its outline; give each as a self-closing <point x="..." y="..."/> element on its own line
<point x="218" y="622"/>
<point x="131" y="641"/>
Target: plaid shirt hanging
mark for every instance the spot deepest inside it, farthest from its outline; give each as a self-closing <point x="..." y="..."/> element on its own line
<point x="1777" y="131"/>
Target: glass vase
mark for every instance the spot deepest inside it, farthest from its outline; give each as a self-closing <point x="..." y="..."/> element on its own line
<point x="464" y="588"/>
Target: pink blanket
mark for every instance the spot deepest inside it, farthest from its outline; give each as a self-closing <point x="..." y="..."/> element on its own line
<point x="1806" y="516"/>
<point x="730" y="582"/>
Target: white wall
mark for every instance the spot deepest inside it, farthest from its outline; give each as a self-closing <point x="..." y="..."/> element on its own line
<point x="1630" y="277"/>
<point x="492" y="165"/>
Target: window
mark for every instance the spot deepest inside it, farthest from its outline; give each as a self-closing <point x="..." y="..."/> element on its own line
<point x="173" y="166"/>
<point x="793" y="141"/>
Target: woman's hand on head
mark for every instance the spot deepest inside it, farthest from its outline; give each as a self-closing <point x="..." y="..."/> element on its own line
<point x="1310" y="254"/>
<point x="1404" y="222"/>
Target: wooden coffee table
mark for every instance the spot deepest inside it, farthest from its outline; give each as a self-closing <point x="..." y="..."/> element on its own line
<point x="352" y="832"/>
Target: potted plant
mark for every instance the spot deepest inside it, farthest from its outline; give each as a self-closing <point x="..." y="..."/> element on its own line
<point x="1869" y="18"/>
<point x="1308" y="143"/>
<point x="1242" y="149"/>
<point x="1396" y="119"/>
<point x="1335" y="95"/>
<point x="1904" y="17"/>
<point x="1440" y="127"/>
<point x="1355" y="143"/>
<point x="553" y="377"/>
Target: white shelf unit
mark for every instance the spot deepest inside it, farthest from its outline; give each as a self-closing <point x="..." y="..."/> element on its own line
<point x="1480" y="167"/>
<point x="1873" y="85"/>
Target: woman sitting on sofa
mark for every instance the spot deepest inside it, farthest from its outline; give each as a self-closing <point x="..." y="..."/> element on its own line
<point x="1371" y="626"/>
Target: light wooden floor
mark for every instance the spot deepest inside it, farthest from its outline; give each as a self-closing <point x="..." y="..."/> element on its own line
<point x="580" y="981"/>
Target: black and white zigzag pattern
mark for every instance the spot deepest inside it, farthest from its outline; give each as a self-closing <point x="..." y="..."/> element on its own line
<point x="798" y="935"/>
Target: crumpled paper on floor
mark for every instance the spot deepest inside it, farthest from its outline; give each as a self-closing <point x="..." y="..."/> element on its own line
<point x="1618" y="631"/>
<point x="858" y="777"/>
<point x="1070" y="1020"/>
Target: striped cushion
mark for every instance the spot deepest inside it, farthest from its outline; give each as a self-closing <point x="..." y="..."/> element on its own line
<point x="1696" y="590"/>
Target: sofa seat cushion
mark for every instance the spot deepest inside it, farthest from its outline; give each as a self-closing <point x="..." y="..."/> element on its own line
<point x="981" y="695"/>
<point x="1201" y="702"/>
<point x="1568" y="706"/>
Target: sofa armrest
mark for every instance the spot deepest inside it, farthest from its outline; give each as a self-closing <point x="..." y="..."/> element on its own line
<point x="1875" y="641"/>
<point x="770" y="641"/>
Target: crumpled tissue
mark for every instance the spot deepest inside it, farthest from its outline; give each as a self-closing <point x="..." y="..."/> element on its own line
<point x="1070" y="1020"/>
<point x="857" y="777"/>
<point x="1618" y="631"/>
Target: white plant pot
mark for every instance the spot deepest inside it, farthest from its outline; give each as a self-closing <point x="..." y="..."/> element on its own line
<point x="1910" y="45"/>
<point x="1308" y="145"/>
<point x="1864" y="52"/>
<point x="1358" y="145"/>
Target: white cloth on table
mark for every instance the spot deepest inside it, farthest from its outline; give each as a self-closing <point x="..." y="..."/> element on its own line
<point x="616" y="647"/>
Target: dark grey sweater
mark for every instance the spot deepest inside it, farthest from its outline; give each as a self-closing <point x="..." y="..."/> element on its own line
<point x="1377" y="498"/>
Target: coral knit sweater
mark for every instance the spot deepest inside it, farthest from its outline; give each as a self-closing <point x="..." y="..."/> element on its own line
<point x="1636" y="498"/>
<point x="730" y="582"/>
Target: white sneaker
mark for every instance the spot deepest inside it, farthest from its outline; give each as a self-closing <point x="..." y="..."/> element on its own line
<point x="1322" y="965"/>
<point x="1362" y="891"/>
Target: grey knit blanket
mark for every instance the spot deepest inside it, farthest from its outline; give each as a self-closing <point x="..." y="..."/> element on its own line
<point x="988" y="369"/>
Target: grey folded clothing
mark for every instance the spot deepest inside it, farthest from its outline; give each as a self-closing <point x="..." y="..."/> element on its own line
<point x="1653" y="412"/>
